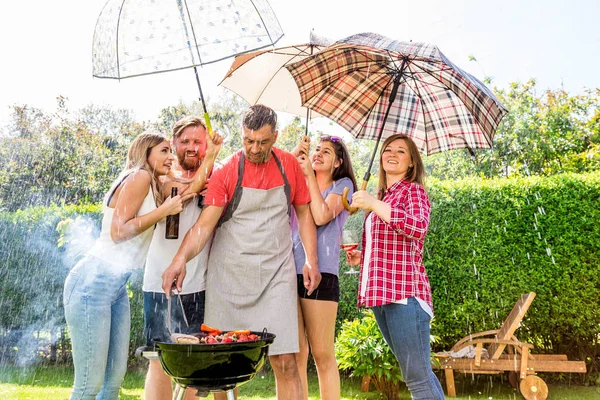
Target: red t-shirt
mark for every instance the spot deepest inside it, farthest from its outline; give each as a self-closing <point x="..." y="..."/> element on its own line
<point x="257" y="176"/>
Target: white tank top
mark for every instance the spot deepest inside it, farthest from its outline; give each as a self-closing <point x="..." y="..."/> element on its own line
<point x="163" y="250"/>
<point x="129" y="254"/>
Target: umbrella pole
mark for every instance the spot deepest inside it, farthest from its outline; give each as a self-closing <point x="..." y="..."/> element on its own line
<point x="307" y="119"/>
<point x="312" y="48"/>
<point x="206" y="118"/>
<point x="367" y="176"/>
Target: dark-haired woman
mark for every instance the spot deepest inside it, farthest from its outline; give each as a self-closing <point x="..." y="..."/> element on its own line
<point x="393" y="280"/>
<point x="327" y="172"/>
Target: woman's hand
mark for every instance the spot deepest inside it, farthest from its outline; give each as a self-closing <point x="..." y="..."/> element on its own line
<point x="174" y="205"/>
<point x="302" y="148"/>
<point x="353" y="257"/>
<point x="363" y="200"/>
<point x="306" y="165"/>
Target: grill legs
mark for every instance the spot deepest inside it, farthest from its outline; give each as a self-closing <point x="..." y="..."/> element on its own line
<point x="180" y="392"/>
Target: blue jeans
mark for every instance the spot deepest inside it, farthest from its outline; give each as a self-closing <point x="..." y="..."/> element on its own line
<point x="97" y="313"/>
<point x="405" y="329"/>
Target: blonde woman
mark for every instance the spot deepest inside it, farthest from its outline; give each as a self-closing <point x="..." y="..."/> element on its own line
<point x="95" y="296"/>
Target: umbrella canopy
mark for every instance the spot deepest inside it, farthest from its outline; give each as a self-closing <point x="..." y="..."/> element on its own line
<point x="140" y="37"/>
<point x="260" y="77"/>
<point x="374" y="87"/>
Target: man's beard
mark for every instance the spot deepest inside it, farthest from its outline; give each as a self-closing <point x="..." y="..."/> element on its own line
<point x="258" y="158"/>
<point x="189" y="164"/>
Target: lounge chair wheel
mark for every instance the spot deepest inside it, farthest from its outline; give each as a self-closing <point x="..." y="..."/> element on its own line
<point x="534" y="388"/>
<point x="513" y="379"/>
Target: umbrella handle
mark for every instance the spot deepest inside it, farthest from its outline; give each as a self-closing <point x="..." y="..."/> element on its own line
<point x="209" y="128"/>
<point x="347" y="205"/>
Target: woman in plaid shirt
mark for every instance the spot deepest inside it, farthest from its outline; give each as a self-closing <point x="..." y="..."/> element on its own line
<point x="393" y="280"/>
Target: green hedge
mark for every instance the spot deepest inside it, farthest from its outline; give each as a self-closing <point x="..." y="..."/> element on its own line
<point x="491" y="240"/>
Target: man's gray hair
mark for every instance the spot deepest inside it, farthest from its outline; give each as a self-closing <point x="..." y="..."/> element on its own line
<point x="257" y="116"/>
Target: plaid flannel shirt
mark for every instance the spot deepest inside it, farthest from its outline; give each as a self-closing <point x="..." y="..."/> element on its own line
<point x="396" y="270"/>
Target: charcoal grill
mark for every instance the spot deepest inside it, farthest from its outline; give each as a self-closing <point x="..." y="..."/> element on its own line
<point x="210" y="367"/>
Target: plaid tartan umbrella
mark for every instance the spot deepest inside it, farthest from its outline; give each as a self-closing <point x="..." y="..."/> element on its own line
<point x="261" y="76"/>
<point x="140" y="37"/>
<point x="374" y="87"/>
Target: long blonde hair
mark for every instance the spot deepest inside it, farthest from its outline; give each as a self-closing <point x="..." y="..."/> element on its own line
<point x="137" y="158"/>
<point x="415" y="173"/>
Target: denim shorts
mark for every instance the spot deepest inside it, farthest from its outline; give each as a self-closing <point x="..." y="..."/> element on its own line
<point x="156" y="310"/>
<point x="328" y="289"/>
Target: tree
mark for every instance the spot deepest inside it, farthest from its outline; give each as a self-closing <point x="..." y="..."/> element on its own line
<point x="58" y="158"/>
<point x="548" y="134"/>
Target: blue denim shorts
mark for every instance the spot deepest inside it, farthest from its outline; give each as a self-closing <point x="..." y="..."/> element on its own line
<point x="156" y="310"/>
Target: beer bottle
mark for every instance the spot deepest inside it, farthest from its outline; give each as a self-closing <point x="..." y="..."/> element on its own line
<point x="172" y="231"/>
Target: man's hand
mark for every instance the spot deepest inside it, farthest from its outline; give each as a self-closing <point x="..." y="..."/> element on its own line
<point x="213" y="145"/>
<point x="174" y="275"/>
<point x="312" y="277"/>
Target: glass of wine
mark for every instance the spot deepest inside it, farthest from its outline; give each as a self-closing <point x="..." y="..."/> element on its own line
<point x="350" y="239"/>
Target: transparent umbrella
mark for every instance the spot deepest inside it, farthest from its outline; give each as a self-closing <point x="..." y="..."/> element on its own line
<point x="141" y="37"/>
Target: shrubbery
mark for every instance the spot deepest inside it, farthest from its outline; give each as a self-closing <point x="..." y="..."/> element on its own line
<point x="489" y="241"/>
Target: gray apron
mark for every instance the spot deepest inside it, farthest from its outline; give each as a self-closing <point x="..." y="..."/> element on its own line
<point x="251" y="279"/>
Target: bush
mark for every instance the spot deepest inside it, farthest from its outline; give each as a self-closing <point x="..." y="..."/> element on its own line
<point x="491" y="240"/>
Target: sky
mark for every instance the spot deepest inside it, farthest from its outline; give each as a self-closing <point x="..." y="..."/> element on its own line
<point x="46" y="46"/>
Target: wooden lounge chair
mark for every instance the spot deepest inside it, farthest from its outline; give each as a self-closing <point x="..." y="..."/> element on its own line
<point x="505" y="353"/>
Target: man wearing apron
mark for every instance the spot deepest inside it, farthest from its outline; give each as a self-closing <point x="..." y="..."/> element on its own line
<point x="251" y="275"/>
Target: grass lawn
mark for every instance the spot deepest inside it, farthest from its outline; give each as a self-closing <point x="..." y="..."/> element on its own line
<point x="54" y="383"/>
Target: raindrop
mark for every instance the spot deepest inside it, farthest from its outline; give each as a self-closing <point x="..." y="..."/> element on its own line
<point x="475" y="269"/>
<point x="548" y="251"/>
<point x="553" y="262"/>
<point x="540" y="235"/>
<point x="528" y="256"/>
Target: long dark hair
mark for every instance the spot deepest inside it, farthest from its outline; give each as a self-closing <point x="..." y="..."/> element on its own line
<point x="416" y="173"/>
<point x="344" y="170"/>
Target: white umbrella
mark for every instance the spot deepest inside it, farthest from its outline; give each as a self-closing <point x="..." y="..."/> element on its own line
<point x="261" y="77"/>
